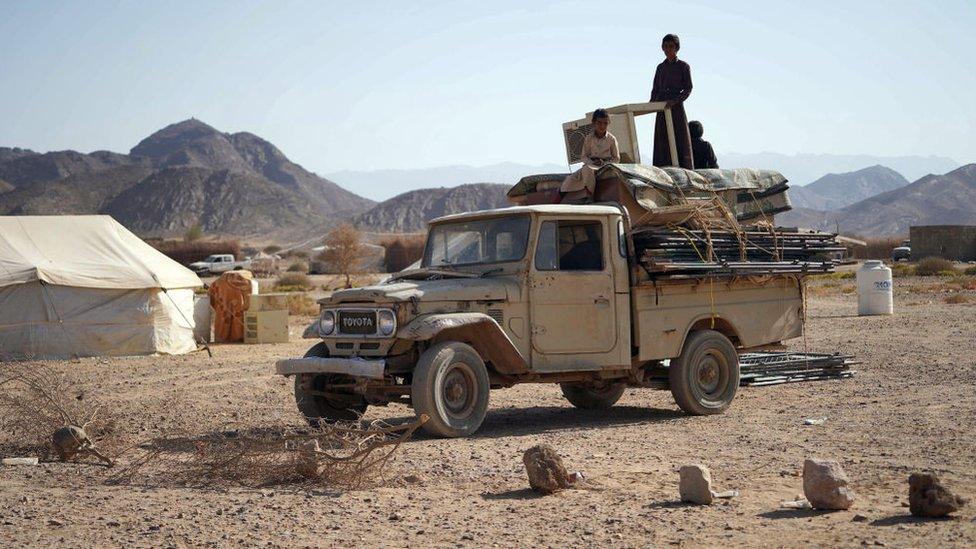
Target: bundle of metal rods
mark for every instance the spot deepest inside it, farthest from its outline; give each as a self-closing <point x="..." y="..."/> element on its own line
<point x="773" y="368"/>
<point x="687" y="251"/>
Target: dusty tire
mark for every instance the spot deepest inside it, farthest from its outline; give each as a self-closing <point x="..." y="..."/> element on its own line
<point x="593" y="396"/>
<point x="317" y="408"/>
<point x="450" y="385"/>
<point x="705" y="377"/>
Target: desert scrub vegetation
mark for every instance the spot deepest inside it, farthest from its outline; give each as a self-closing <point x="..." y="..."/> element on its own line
<point x="955" y="299"/>
<point x="298" y="267"/>
<point x="931" y="266"/>
<point x="302" y="305"/>
<point x="899" y="270"/>
<point x="293" y="282"/>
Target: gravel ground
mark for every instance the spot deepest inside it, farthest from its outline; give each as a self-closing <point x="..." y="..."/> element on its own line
<point x="911" y="407"/>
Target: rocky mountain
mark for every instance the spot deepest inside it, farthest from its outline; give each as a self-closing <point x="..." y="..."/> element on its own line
<point x="183" y="174"/>
<point x="946" y="199"/>
<point x="410" y="211"/>
<point x="836" y="190"/>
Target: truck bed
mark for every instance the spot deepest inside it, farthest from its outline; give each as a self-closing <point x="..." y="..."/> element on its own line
<point x="752" y="311"/>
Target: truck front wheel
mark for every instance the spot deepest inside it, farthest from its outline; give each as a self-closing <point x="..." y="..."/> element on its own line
<point x="705" y="377"/>
<point x="593" y="396"/>
<point x="318" y="398"/>
<point x="450" y="385"/>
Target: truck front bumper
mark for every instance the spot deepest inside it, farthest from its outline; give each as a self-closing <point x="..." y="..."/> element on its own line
<point x="355" y="367"/>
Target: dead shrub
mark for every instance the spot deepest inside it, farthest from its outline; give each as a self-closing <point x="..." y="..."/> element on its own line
<point x="36" y="401"/>
<point x="402" y="251"/>
<point x="899" y="270"/>
<point x="969" y="271"/>
<point x="877" y="248"/>
<point x="298" y="267"/>
<point x="349" y="455"/>
<point x="957" y="299"/>
<point x="289" y="282"/>
<point x="930" y="266"/>
<point x="302" y="305"/>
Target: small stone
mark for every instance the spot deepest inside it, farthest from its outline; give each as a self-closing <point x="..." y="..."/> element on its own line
<point x="859" y="518"/>
<point x="54" y="522"/>
<point x="412" y="479"/>
<point x="545" y="469"/>
<point x="927" y="497"/>
<point x="695" y="484"/>
<point x="825" y="485"/>
<point x="396" y="517"/>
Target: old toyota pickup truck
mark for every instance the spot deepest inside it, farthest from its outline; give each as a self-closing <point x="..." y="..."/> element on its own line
<point x="535" y="294"/>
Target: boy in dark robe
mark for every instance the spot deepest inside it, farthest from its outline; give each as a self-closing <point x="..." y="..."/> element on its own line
<point x="702" y="151"/>
<point x="672" y="84"/>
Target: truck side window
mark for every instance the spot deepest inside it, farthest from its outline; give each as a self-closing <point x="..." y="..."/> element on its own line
<point x="570" y="246"/>
<point x="546" y="257"/>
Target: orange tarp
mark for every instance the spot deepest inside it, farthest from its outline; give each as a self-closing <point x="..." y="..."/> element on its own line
<point x="229" y="298"/>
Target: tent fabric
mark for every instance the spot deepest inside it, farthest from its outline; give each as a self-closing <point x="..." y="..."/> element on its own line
<point x="230" y="296"/>
<point x="42" y="321"/>
<point x="83" y="251"/>
<point x="73" y="286"/>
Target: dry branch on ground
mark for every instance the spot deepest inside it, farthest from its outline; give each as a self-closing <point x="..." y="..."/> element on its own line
<point x="348" y="455"/>
<point x="37" y="401"/>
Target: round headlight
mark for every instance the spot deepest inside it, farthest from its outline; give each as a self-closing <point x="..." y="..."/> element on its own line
<point x="327" y="323"/>
<point x="387" y="322"/>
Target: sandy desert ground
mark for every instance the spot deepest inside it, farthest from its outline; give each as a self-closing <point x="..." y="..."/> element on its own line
<point x="911" y="407"/>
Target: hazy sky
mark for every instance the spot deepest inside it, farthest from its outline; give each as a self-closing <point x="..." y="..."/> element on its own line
<point x="354" y="85"/>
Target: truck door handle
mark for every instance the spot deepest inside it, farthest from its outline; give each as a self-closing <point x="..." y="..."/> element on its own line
<point x="601" y="301"/>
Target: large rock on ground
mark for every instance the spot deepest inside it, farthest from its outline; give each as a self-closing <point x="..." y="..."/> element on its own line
<point x="545" y="469"/>
<point x="825" y="485"/>
<point x="927" y="497"/>
<point x="695" y="484"/>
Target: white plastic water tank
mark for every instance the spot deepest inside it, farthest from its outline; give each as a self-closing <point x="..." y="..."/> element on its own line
<point x="874" y="291"/>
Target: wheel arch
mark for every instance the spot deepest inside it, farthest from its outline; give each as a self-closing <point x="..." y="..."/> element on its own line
<point x="478" y="330"/>
<point x="715" y="323"/>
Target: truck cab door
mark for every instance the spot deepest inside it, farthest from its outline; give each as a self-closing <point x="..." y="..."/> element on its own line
<point x="571" y="296"/>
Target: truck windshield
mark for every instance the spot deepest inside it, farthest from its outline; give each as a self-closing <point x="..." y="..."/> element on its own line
<point x="481" y="241"/>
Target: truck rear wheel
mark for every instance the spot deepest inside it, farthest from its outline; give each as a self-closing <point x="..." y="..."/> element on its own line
<point x="450" y="385"/>
<point x="318" y="402"/>
<point x="593" y="396"/>
<point x="705" y="377"/>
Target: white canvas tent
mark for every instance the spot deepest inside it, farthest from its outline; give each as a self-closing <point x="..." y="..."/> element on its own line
<point x="83" y="285"/>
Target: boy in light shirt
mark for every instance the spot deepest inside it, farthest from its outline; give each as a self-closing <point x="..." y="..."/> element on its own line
<point x="599" y="149"/>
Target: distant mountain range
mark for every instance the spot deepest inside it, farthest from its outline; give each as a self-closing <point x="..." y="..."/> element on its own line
<point x="802" y="169"/>
<point x="384" y="184"/>
<point x="184" y="174"/>
<point x="410" y="211"/>
<point x="836" y="190"/>
<point x="948" y="199"/>
<point x="239" y="184"/>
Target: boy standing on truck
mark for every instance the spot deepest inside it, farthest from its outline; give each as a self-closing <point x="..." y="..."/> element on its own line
<point x="599" y="148"/>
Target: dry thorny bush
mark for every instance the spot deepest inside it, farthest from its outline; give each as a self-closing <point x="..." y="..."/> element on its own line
<point x="349" y="455"/>
<point x="36" y="401"/>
